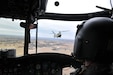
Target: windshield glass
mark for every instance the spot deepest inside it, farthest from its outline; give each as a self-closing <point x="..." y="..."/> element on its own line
<point x="76" y="6"/>
<point x="54" y="36"/>
<point x="11" y="36"/>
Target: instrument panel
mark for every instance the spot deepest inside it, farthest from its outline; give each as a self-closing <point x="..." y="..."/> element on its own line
<point x="35" y="64"/>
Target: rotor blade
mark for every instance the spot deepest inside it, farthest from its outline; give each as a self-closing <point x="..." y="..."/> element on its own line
<point x="64" y="31"/>
<point x="53" y="32"/>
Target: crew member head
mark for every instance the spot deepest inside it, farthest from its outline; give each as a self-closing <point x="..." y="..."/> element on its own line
<point x="94" y="40"/>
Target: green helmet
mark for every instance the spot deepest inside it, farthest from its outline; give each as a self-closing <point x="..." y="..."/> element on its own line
<point x="94" y="39"/>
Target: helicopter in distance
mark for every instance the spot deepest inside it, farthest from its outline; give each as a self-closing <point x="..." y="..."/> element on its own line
<point x="58" y="34"/>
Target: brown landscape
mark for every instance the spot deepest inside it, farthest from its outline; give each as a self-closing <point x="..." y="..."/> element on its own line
<point x="44" y="45"/>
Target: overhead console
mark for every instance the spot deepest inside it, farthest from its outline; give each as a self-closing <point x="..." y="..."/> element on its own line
<point x="24" y="9"/>
<point x="21" y="9"/>
<point x="36" y="64"/>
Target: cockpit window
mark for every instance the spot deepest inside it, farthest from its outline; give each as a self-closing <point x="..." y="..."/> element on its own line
<point x="54" y="36"/>
<point x="11" y="36"/>
<point x="76" y="6"/>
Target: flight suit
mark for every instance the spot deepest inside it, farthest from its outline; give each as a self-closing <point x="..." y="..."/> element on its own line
<point x="97" y="69"/>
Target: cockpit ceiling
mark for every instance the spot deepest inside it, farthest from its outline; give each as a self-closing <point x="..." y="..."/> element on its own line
<point x="20" y="9"/>
<point x="25" y="9"/>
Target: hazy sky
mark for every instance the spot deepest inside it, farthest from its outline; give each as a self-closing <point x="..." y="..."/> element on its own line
<point x="47" y="26"/>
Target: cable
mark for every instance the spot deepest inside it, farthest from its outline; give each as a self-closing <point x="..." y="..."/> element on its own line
<point x="36" y="19"/>
<point x="36" y="35"/>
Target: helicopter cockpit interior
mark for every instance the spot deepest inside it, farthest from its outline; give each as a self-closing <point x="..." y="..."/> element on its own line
<point x="27" y="43"/>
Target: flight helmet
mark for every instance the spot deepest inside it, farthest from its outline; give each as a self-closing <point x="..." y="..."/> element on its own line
<point x="94" y="39"/>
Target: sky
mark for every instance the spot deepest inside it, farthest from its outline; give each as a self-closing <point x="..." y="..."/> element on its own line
<point x="45" y="27"/>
